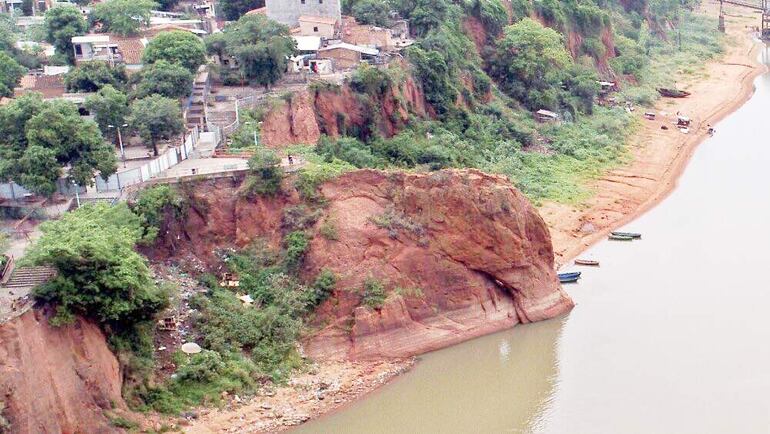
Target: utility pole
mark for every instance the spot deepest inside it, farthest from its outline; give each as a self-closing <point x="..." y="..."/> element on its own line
<point x="120" y="142"/>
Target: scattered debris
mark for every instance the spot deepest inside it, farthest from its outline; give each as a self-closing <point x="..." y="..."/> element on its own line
<point x="191" y="348"/>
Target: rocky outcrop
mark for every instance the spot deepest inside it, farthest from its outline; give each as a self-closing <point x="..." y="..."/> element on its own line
<point x="57" y="379"/>
<point x="460" y="254"/>
<point x="291" y="122"/>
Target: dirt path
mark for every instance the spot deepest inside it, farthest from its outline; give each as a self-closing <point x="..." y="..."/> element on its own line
<point x="659" y="156"/>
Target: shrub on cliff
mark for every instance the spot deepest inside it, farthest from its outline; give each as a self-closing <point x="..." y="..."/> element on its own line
<point x="100" y="276"/>
<point x="265" y="174"/>
<point x="154" y="204"/>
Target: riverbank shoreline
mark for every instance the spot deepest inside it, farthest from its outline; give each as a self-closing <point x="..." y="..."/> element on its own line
<point x="659" y="157"/>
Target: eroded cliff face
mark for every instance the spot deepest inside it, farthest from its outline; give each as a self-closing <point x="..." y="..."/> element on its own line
<point x="57" y="379"/>
<point x="460" y="253"/>
<point x="335" y="111"/>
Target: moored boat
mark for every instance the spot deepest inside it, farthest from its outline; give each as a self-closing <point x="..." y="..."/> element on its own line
<point x="589" y="262"/>
<point x="569" y="275"/>
<point x="568" y="279"/>
<point x="620" y="237"/>
<point x="634" y="235"/>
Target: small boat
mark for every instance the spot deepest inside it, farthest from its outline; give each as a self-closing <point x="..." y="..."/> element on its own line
<point x="673" y="93"/>
<point x="568" y="279"/>
<point x="634" y="235"/>
<point x="589" y="262"/>
<point x="569" y="275"/>
<point x="620" y="237"/>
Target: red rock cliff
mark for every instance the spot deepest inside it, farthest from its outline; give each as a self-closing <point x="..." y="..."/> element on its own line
<point x="57" y="379"/>
<point x="461" y="254"/>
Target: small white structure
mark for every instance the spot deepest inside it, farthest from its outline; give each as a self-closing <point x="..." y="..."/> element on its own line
<point x="307" y="44"/>
<point x="191" y="348"/>
<point x="546" y="116"/>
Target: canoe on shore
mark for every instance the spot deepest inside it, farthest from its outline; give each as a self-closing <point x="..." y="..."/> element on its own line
<point x="620" y="237"/>
<point x="569" y="279"/>
<point x="634" y="235"/>
<point x="673" y="93"/>
<point x="568" y="276"/>
<point x="589" y="262"/>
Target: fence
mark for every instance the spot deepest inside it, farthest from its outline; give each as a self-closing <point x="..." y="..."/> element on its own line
<point x="14" y="191"/>
<point x="152" y="168"/>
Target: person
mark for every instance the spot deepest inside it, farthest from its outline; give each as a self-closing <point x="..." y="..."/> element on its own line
<point x="711" y="130"/>
<point x="291" y="159"/>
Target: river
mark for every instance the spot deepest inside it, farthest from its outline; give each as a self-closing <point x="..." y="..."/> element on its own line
<point x="669" y="335"/>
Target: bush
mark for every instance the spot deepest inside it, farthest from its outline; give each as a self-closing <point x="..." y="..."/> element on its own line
<point x="297" y="244"/>
<point x="373" y="293"/>
<point x="322" y="287"/>
<point x="156" y="203"/>
<point x="265" y="174"/>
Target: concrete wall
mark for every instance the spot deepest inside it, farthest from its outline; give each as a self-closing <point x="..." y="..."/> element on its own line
<point x="342" y="58"/>
<point x="308" y="28"/>
<point x="289" y="11"/>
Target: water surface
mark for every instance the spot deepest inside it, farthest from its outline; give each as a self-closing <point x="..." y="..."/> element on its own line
<point x="670" y="335"/>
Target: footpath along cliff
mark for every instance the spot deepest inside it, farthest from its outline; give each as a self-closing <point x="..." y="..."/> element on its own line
<point x="460" y="253"/>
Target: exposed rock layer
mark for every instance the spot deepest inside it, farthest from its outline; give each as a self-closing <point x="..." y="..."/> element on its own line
<point x="57" y="379"/>
<point x="461" y="253"/>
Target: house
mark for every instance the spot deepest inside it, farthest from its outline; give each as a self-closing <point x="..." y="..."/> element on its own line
<point x="38" y="6"/>
<point x="310" y="25"/>
<point x="113" y="49"/>
<point x="50" y="86"/>
<point x="346" y="56"/>
<point x="372" y="36"/>
<point x="288" y="12"/>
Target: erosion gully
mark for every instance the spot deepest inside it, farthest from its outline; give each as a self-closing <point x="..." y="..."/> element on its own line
<point x="669" y="335"/>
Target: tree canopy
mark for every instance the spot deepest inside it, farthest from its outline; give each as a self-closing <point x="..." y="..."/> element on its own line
<point x="166" y="79"/>
<point x="38" y="139"/>
<point x="530" y="62"/>
<point x="234" y="9"/>
<point x="92" y="76"/>
<point x="259" y="45"/>
<point x="100" y="275"/>
<point x="178" y="46"/>
<point x="156" y="117"/>
<point x="374" y="12"/>
<point x="124" y="17"/>
<point x="62" y="23"/>
<point x="10" y="74"/>
<point x="109" y="107"/>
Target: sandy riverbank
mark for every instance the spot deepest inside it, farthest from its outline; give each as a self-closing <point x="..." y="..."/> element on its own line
<point x="659" y="156"/>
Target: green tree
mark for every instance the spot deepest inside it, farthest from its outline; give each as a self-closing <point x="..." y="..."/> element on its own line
<point x="260" y="46"/>
<point x="92" y="76"/>
<point x="179" y="46"/>
<point x="156" y="117"/>
<point x="100" y="275"/>
<point x="124" y="17"/>
<point x="110" y="108"/>
<point x="62" y="23"/>
<point x="529" y="63"/>
<point x="265" y="173"/>
<point x="167" y="5"/>
<point x="40" y="138"/>
<point x="166" y="79"/>
<point x="374" y="12"/>
<point x="10" y="74"/>
<point x="234" y="9"/>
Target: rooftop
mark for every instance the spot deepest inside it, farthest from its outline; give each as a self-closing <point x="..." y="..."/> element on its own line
<point x="357" y="48"/>
<point x="316" y="19"/>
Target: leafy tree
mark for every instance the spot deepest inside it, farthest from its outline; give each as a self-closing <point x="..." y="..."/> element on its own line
<point x="374" y="12"/>
<point x="109" y="107"/>
<point x="62" y="23"/>
<point x="423" y="15"/>
<point x="124" y="17"/>
<point x="529" y="63"/>
<point x="92" y="76"/>
<point x="39" y="138"/>
<point x="100" y="275"/>
<point x="167" y="5"/>
<point x="156" y="117"/>
<point x="233" y="9"/>
<point x="178" y="46"/>
<point x="166" y="79"/>
<point x="260" y="46"/>
<point x="265" y="173"/>
<point x="433" y="73"/>
<point x="10" y="74"/>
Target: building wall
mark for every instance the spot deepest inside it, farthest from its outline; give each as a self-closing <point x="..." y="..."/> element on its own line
<point x="308" y="28"/>
<point x="289" y="11"/>
<point x="343" y="59"/>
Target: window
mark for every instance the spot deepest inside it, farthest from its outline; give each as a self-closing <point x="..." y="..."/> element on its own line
<point x="320" y="2"/>
<point x="78" y="50"/>
<point x="302" y="1"/>
<point x="315" y="29"/>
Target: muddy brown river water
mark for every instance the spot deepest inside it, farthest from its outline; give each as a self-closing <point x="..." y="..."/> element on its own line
<point x="670" y="335"/>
